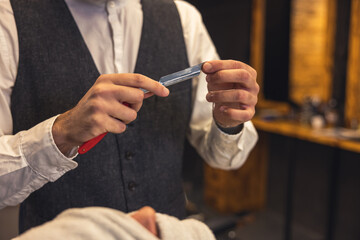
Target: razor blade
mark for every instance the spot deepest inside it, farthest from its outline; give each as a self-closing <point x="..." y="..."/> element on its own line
<point x="180" y="76"/>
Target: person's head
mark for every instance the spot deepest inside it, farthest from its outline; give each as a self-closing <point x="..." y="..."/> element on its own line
<point x="146" y="216"/>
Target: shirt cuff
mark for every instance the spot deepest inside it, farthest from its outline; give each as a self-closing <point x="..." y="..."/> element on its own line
<point x="231" y="151"/>
<point x="223" y="135"/>
<point x="224" y="146"/>
<point x="41" y="153"/>
<point x="230" y="130"/>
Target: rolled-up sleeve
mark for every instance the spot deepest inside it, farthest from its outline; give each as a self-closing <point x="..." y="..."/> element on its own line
<point x="30" y="159"/>
<point x="217" y="148"/>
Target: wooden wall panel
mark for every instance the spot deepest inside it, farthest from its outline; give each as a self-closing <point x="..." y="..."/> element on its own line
<point x="239" y="190"/>
<point x="311" y="49"/>
<point x="352" y="105"/>
<point x="257" y="41"/>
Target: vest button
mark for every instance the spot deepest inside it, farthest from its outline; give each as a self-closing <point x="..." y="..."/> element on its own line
<point x="129" y="155"/>
<point x="131" y="186"/>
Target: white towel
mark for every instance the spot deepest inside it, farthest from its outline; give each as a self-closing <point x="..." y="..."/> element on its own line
<point x="188" y="229"/>
<point x="103" y="223"/>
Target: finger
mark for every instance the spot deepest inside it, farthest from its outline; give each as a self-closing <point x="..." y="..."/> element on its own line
<point x="109" y="94"/>
<point x="135" y="106"/>
<point x="232" y="76"/>
<point x="101" y="123"/>
<point x="148" y="94"/>
<point x="114" y="125"/>
<point x="240" y="115"/>
<point x="216" y="65"/>
<point x="121" y="112"/>
<point x="139" y="81"/>
<point x="222" y="86"/>
<point x="232" y="96"/>
<point x="112" y="119"/>
<point x="129" y="95"/>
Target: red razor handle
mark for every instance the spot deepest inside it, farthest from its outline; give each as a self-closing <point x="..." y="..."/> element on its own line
<point x="86" y="146"/>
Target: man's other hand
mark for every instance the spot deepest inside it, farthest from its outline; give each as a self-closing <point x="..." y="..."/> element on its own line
<point x="233" y="89"/>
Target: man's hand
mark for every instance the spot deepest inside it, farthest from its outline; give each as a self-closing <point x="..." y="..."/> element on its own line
<point x="233" y="90"/>
<point x="102" y="109"/>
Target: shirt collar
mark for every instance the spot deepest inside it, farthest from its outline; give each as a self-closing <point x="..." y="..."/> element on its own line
<point x="102" y="2"/>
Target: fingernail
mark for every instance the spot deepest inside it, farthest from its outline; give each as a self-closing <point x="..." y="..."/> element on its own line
<point x="207" y="67"/>
<point x="166" y="91"/>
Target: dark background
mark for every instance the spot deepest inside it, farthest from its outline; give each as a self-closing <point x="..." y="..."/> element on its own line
<point x="313" y="190"/>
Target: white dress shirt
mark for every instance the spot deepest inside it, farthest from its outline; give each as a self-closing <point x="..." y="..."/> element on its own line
<point x="30" y="158"/>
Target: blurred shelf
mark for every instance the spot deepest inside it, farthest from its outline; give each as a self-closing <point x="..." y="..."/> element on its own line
<point x="329" y="137"/>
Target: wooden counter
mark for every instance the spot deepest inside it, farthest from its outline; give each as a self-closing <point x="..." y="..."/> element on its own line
<point x="295" y="130"/>
<point x="315" y="186"/>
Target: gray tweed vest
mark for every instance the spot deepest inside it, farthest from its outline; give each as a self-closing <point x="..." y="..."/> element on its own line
<point x="127" y="171"/>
